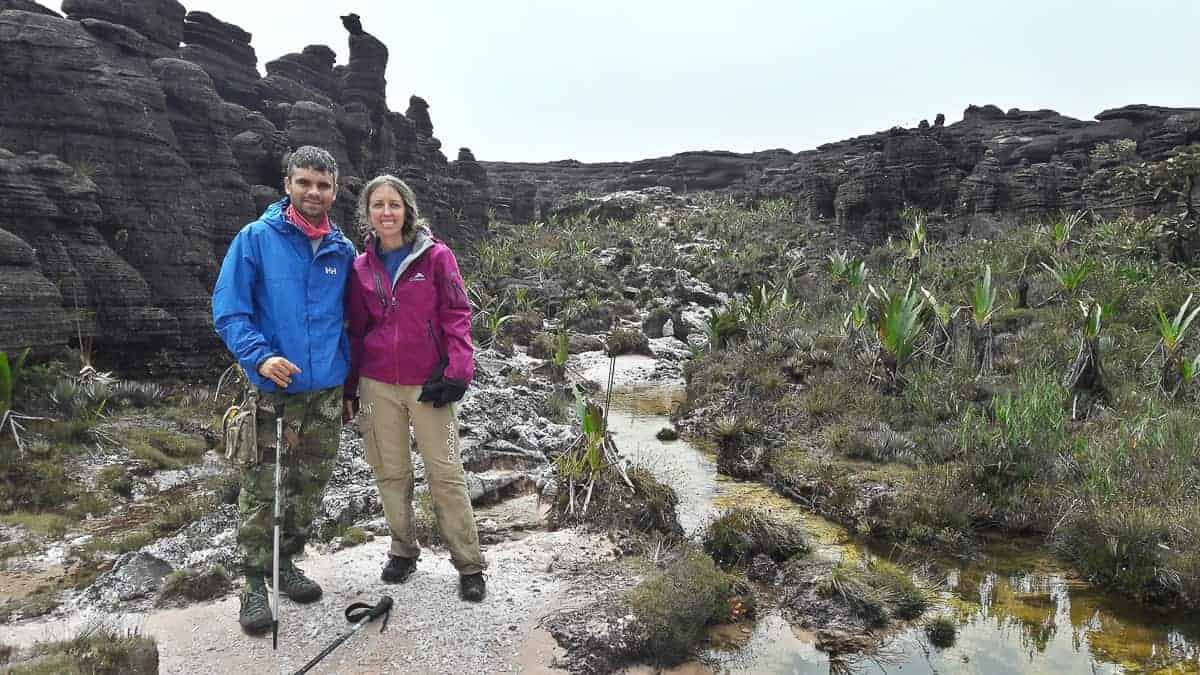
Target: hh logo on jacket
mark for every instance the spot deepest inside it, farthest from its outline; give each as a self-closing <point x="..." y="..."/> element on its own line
<point x="331" y="271"/>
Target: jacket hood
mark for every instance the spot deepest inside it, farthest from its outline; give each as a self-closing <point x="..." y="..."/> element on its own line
<point x="422" y="240"/>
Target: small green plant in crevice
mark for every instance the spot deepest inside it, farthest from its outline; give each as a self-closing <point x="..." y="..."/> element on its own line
<point x="739" y="534"/>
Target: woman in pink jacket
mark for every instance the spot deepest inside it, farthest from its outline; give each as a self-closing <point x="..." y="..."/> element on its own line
<point x="411" y="360"/>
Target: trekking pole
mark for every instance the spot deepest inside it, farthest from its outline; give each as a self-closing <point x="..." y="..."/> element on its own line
<point x="278" y="522"/>
<point x="359" y="614"/>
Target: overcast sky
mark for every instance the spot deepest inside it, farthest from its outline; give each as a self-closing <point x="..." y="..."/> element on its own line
<point x="540" y="80"/>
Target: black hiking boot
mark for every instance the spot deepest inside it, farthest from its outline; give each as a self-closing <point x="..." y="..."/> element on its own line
<point x="255" y="614"/>
<point x="472" y="587"/>
<point x="398" y="569"/>
<point x="295" y="585"/>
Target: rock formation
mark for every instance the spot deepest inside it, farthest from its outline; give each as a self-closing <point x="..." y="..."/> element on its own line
<point x="991" y="166"/>
<point x="129" y="161"/>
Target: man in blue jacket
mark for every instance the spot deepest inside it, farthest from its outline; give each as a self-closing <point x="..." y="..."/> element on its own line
<point x="278" y="307"/>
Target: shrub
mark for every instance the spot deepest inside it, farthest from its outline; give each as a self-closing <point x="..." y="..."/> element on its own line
<point x="164" y="449"/>
<point x="674" y="606"/>
<point x="941" y="631"/>
<point x="740" y="534"/>
<point x="115" y="478"/>
<point x="628" y="341"/>
<point x="193" y="585"/>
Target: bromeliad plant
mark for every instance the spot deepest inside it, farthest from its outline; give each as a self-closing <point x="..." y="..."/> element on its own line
<point x="724" y="325"/>
<point x="915" y="247"/>
<point x="1171" y="331"/>
<point x="1087" y="372"/>
<point x="846" y="270"/>
<point x="766" y="301"/>
<point x="1061" y="229"/>
<point x="899" y="326"/>
<point x="10" y="419"/>
<point x="1070" y="276"/>
<point x="983" y="308"/>
<point x="942" y="343"/>
<point x="589" y="456"/>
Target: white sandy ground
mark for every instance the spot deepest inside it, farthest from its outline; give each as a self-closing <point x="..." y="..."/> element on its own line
<point x="430" y="631"/>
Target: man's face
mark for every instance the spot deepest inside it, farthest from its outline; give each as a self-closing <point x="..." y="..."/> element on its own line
<point x="312" y="192"/>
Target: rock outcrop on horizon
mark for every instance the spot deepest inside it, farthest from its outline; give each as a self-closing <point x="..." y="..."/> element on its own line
<point x="128" y="161"/>
<point x="974" y="174"/>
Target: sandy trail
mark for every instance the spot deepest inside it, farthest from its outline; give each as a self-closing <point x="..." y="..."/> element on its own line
<point x="430" y="631"/>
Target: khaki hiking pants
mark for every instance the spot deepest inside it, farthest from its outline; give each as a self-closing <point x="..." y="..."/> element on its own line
<point x="386" y="412"/>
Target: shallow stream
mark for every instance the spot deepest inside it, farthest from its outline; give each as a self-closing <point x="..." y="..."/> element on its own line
<point x="1017" y="609"/>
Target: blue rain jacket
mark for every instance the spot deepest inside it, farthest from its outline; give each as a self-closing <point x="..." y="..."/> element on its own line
<point x="275" y="297"/>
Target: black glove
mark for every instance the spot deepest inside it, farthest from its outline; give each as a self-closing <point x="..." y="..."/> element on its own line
<point x="442" y="390"/>
<point x="452" y="390"/>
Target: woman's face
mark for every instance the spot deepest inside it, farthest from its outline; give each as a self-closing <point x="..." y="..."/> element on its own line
<point x="385" y="209"/>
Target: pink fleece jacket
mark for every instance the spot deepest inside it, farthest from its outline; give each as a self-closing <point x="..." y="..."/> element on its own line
<point x="401" y="329"/>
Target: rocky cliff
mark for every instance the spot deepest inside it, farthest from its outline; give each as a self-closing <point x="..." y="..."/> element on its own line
<point x="136" y="138"/>
<point x="989" y="167"/>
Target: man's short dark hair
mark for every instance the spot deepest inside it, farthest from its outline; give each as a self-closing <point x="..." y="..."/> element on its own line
<point x="311" y="157"/>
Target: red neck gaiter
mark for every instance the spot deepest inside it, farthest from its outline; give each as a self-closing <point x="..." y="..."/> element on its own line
<point x="311" y="231"/>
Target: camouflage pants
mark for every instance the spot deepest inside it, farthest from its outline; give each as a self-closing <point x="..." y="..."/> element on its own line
<point x="312" y="424"/>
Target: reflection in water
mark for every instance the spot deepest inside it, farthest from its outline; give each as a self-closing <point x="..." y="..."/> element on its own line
<point x="1017" y="610"/>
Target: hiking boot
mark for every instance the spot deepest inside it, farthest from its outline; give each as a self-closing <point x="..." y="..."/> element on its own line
<point x="398" y="569"/>
<point x="255" y="614"/>
<point x="295" y="585"/>
<point x="471" y="587"/>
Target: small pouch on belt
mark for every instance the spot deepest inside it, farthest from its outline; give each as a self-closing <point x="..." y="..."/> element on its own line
<point x="240" y="430"/>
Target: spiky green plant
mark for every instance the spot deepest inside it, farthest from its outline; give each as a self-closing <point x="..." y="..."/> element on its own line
<point x="1070" y="275"/>
<point x="857" y="317"/>
<point x="1063" y="227"/>
<point x="983" y="300"/>
<point x="839" y="263"/>
<point x="724" y="324"/>
<point x="1188" y="369"/>
<point x="899" y="325"/>
<point x="767" y="300"/>
<point x="916" y="237"/>
<point x="494" y="322"/>
<point x="1172" y="330"/>
<point x="856" y="274"/>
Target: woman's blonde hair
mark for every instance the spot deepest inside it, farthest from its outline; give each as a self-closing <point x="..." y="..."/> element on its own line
<point x="412" y="217"/>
